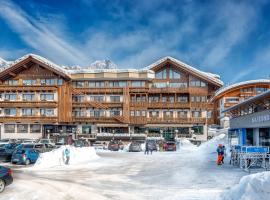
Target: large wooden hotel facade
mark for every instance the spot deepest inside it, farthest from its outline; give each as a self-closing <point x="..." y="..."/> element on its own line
<point x="168" y="98"/>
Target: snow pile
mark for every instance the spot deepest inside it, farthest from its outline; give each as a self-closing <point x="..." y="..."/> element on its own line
<point x="186" y="145"/>
<point x="251" y="187"/>
<point x="210" y="146"/>
<point x="56" y="157"/>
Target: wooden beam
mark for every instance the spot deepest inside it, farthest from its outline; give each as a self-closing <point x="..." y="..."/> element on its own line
<point x="12" y="74"/>
<point x="24" y="66"/>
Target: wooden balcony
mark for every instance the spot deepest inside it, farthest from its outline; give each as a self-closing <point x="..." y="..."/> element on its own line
<point x="138" y="90"/>
<point x="138" y="120"/>
<point x="102" y="105"/>
<point x="169" y="90"/>
<point x="139" y="104"/>
<point x="28" y="104"/>
<point x="98" y="90"/>
<point x="94" y="119"/>
<point x="203" y="105"/>
<point x="198" y="91"/>
<point x="171" y="120"/>
<point x="168" y="105"/>
<point x="19" y="88"/>
<point x="27" y="119"/>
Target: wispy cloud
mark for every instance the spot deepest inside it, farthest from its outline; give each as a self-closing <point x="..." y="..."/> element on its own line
<point x="39" y="35"/>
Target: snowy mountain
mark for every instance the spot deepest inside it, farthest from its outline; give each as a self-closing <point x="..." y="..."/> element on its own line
<point x="3" y="62"/>
<point x="102" y="64"/>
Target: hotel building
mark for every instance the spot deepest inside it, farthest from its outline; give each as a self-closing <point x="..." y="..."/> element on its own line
<point x="168" y="98"/>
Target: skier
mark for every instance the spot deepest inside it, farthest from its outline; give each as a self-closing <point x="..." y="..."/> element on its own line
<point x="220" y="151"/>
<point x="67" y="155"/>
<point x="146" y="148"/>
<point x="224" y="154"/>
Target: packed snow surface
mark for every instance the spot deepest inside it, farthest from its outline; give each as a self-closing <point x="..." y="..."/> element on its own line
<point x="122" y="175"/>
<point x="78" y="155"/>
<point x="250" y="187"/>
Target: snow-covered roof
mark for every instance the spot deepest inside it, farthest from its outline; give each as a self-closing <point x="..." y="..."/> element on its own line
<point x="211" y="76"/>
<point x="226" y="88"/>
<point x="39" y="58"/>
<point x="82" y="71"/>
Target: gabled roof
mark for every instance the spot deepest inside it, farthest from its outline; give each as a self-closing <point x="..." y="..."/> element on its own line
<point x="240" y="84"/>
<point x="214" y="78"/>
<point x="39" y="59"/>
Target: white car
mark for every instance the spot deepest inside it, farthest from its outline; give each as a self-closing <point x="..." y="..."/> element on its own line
<point x="98" y="145"/>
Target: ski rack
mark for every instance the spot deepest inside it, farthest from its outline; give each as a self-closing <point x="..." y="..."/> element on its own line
<point x="248" y="157"/>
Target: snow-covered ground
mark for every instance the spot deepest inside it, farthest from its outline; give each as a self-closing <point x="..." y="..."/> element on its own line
<point x="190" y="173"/>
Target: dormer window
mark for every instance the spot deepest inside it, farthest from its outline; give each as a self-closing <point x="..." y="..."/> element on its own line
<point x="174" y="74"/>
<point x="161" y="74"/>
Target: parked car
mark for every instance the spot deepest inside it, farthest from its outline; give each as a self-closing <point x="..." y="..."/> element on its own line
<point x="46" y="141"/>
<point x="170" y="146"/>
<point x="135" y="147"/>
<point x="25" y="156"/>
<point x="59" y="144"/>
<point x="5" y="177"/>
<point x="6" y="141"/>
<point x="6" y="151"/>
<point x="98" y="145"/>
<point x="41" y="148"/>
<point x="113" y="145"/>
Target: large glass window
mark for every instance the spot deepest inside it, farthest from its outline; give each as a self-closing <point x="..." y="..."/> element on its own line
<point x="182" y="113"/>
<point x="264" y="137"/>
<point x="177" y="85"/>
<point x="35" y="128"/>
<point x="10" y="97"/>
<point x="96" y="84"/>
<point x="78" y="84"/>
<point x="114" y="98"/>
<point x="29" y="82"/>
<point x="78" y="98"/>
<point x="138" y="84"/>
<point x="115" y="112"/>
<point x="10" y="111"/>
<point x="49" y="81"/>
<point x="154" y="113"/>
<point x="97" y="98"/>
<point x="260" y="90"/>
<point x="182" y="99"/>
<point x="9" y="128"/>
<point x="47" y="112"/>
<point x="28" y="112"/>
<point x="86" y="129"/>
<point x="198" y="130"/>
<point x="22" y="128"/>
<point x="174" y="74"/>
<point x="28" y="97"/>
<point x="47" y="97"/>
<point x="159" y="85"/>
<point x="118" y="84"/>
<point x="12" y="82"/>
<point x="161" y="74"/>
<point x="167" y="114"/>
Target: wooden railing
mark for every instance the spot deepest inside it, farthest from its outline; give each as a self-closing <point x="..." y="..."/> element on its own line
<point x="97" y="90"/>
<point x="27" y="88"/>
<point x="169" y="90"/>
<point x="138" y="120"/>
<point x="198" y="90"/>
<point x="28" y="119"/>
<point x="94" y="119"/>
<point x="29" y="104"/>
<point x="168" y="105"/>
<point x="176" y="120"/>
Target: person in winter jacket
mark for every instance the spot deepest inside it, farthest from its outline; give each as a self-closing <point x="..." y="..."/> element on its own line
<point x="220" y="152"/>
<point x="146" y="148"/>
<point x="67" y="155"/>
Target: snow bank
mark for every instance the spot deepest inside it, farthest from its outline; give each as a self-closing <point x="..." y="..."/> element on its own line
<point x="250" y="187"/>
<point x="56" y="157"/>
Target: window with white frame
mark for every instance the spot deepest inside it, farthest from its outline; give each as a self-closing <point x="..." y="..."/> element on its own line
<point x="48" y="112"/>
<point x="22" y="128"/>
<point x="161" y="74"/>
<point x="29" y="82"/>
<point x="35" y="128"/>
<point x="28" y="112"/>
<point x="47" y="97"/>
<point x="28" y="97"/>
<point x="10" y="111"/>
<point x="10" y="96"/>
<point x="9" y="128"/>
<point x="138" y="84"/>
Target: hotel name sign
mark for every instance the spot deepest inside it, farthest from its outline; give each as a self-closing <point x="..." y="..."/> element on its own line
<point x="260" y="118"/>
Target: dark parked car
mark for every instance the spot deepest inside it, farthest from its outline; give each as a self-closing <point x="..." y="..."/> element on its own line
<point x="135" y="147"/>
<point x="113" y="145"/>
<point x="5" y="177"/>
<point x="152" y="145"/>
<point x="6" y="151"/>
<point x="170" y="146"/>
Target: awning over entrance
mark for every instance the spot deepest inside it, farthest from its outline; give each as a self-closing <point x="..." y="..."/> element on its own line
<point x="112" y="125"/>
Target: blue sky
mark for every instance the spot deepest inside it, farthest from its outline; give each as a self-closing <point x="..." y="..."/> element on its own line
<point x="230" y="38"/>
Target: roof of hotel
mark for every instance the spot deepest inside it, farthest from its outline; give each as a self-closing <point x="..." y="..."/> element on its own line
<point x="229" y="87"/>
<point x="211" y="76"/>
<point x="247" y="101"/>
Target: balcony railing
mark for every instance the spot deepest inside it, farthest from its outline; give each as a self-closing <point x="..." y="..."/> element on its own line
<point x="169" y="105"/>
<point x="169" y="90"/>
<point x="28" y="119"/>
<point x="27" y="88"/>
<point x="28" y="104"/>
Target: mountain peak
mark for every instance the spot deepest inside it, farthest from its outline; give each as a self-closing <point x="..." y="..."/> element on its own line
<point x="102" y="64"/>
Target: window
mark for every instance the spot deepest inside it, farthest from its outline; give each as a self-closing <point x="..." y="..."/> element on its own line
<point x="197" y="83"/>
<point x="161" y="74"/>
<point x="232" y="100"/>
<point x="96" y="84"/>
<point x="171" y="99"/>
<point x="209" y="114"/>
<point x="132" y="112"/>
<point x="192" y="98"/>
<point x="167" y="114"/>
<point x="28" y="112"/>
<point x="117" y="83"/>
<point x="138" y="113"/>
<point x="10" y="97"/>
<point x="10" y="111"/>
<point x="182" y="99"/>
<point x="177" y="85"/>
<point x="174" y="74"/>
<point x="247" y="89"/>
<point x="138" y="84"/>
<point x="182" y="114"/>
<point x="198" y="130"/>
<point x="115" y="112"/>
<point x="260" y="90"/>
<point x="159" y="85"/>
<point x="196" y="114"/>
<point x="48" y="81"/>
<point x="59" y="81"/>
<point x="47" y="97"/>
<point x="203" y="99"/>
<point x="198" y="99"/>
<point x="29" y="82"/>
<point x="86" y="129"/>
<point x="35" y="128"/>
<point x="9" y="128"/>
<point x="22" y="128"/>
<point x="154" y="99"/>
<point x="97" y="113"/>
<point x="78" y="84"/>
<point x="78" y="98"/>
<point x="143" y="113"/>
<point x="154" y="113"/>
<point x="47" y="112"/>
<point x="79" y="113"/>
<point x="97" y="98"/>
<point x="164" y="99"/>
<point x="114" y="98"/>
<point x="28" y="97"/>
<point x="11" y="82"/>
